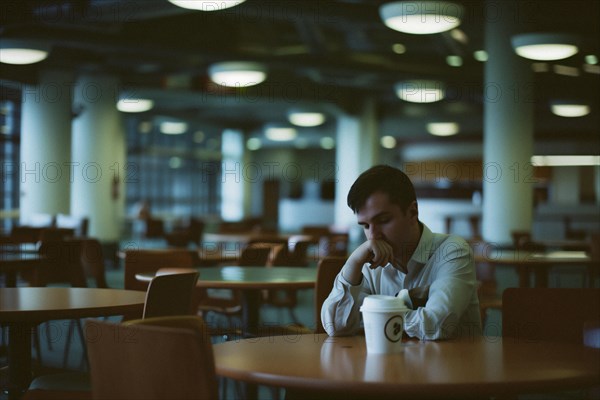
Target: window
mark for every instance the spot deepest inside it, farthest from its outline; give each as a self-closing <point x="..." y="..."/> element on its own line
<point x="10" y="120"/>
<point x="178" y="175"/>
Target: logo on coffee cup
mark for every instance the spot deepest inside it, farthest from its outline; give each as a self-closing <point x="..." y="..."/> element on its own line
<point x="393" y="328"/>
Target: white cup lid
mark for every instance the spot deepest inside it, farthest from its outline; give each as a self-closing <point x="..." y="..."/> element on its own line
<point x="382" y="303"/>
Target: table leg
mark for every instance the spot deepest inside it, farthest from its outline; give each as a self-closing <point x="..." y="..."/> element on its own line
<point x="250" y="323"/>
<point x="19" y="359"/>
<point x="250" y="311"/>
<point x="523" y="276"/>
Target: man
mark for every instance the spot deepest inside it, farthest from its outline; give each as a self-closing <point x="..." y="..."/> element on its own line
<point x="433" y="273"/>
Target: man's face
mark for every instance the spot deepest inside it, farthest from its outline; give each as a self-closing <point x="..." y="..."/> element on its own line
<point x="386" y="221"/>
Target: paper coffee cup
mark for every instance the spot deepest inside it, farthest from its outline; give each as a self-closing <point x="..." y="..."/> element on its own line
<point x="383" y="318"/>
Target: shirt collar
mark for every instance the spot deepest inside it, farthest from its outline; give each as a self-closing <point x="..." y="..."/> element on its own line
<point x="424" y="248"/>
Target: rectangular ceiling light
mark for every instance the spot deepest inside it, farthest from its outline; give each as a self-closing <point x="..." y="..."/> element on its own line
<point x="557" y="161"/>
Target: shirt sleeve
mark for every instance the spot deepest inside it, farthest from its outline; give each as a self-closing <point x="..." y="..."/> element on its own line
<point x="450" y="294"/>
<point x="340" y="312"/>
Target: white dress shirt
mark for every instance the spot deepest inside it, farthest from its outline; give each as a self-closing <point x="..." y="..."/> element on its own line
<point x="444" y="262"/>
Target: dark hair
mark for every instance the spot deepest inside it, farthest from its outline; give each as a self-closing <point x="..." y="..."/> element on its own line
<point x="382" y="178"/>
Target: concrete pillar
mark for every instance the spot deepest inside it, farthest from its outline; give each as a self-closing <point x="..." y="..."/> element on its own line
<point x="357" y="149"/>
<point x="233" y="187"/>
<point x="98" y="157"/>
<point x="46" y="146"/>
<point x="508" y="130"/>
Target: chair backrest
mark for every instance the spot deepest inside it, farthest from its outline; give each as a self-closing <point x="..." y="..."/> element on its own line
<point x="335" y="244"/>
<point x="25" y="234"/>
<point x="62" y="263"/>
<point x="553" y="314"/>
<point x="137" y="261"/>
<point x="294" y="253"/>
<point x="78" y="224"/>
<point x="156" y="358"/>
<point x="92" y="259"/>
<point x="154" y="228"/>
<point x="255" y="254"/>
<point x="327" y="269"/>
<point x="171" y="292"/>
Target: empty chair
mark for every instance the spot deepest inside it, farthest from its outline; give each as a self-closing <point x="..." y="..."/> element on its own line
<point x="181" y="237"/>
<point x="171" y="292"/>
<point x="153" y="228"/>
<point x="78" y="224"/>
<point x="92" y="258"/>
<point x="522" y="240"/>
<point x="229" y="304"/>
<point x="485" y="272"/>
<point x="170" y="358"/>
<point x="327" y="269"/>
<point x="553" y="314"/>
<point x="138" y="261"/>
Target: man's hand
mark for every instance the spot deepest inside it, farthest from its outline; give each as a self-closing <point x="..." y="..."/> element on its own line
<point x="376" y="252"/>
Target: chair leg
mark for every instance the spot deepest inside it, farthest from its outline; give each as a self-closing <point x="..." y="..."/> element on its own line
<point x="83" y="345"/>
<point x="68" y="344"/>
<point x="36" y="344"/>
<point x="48" y="336"/>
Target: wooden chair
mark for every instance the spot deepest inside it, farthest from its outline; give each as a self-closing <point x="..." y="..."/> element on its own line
<point x="92" y="258"/>
<point x="171" y="292"/>
<point x="231" y="305"/>
<point x="78" y="224"/>
<point x="522" y="240"/>
<point x="487" y="290"/>
<point x="152" y="359"/>
<point x="553" y="314"/>
<point x="153" y="228"/>
<point x="327" y="269"/>
<point x="181" y="237"/>
<point x="137" y="261"/>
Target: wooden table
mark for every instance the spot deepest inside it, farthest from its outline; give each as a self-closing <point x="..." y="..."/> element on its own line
<point x="13" y="263"/>
<point x="24" y="308"/>
<point x="526" y="261"/>
<point x="473" y="367"/>
<point x="250" y="281"/>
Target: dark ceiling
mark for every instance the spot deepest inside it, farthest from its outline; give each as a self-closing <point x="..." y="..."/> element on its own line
<point x="325" y="53"/>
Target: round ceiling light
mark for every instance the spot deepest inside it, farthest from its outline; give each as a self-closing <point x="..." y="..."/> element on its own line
<point x="421" y="17"/>
<point x="202" y="5"/>
<point x="443" y="128"/>
<point x="420" y="91"/>
<point x="21" y="52"/>
<point x="132" y="105"/>
<point x="306" y="118"/>
<point x="173" y="127"/>
<point x="545" y="46"/>
<point x="237" y="73"/>
<point x="280" y="133"/>
<point x="570" y="109"/>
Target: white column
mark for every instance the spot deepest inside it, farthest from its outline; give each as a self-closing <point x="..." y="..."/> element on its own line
<point x="232" y="182"/>
<point x="98" y="156"/>
<point x="46" y="145"/>
<point x="357" y="149"/>
<point x="508" y="131"/>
